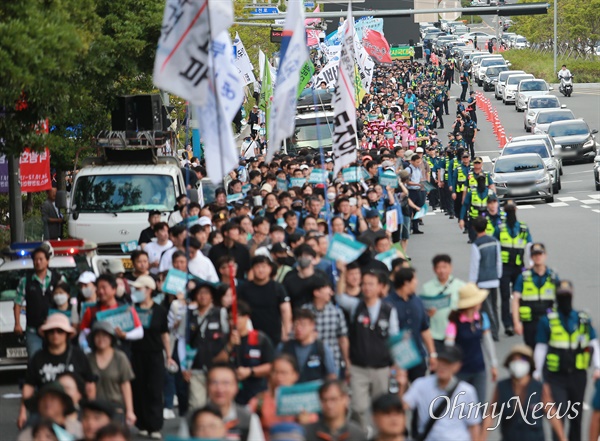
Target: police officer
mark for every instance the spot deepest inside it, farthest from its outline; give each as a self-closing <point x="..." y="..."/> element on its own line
<point x="474" y="205"/>
<point x="472" y="106"/>
<point x="494" y="215"/>
<point x="470" y="133"/>
<point x="438" y="105"/>
<point x="566" y="342"/>
<point x="478" y="171"/>
<point x="459" y="183"/>
<point x="444" y="180"/>
<point x="460" y="142"/>
<point x="434" y="162"/>
<point x="534" y="293"/>
<point x="514" y="237"/>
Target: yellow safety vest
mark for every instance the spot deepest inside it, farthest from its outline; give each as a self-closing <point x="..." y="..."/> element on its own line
<point x="490" y="229"/>
<point x="536" y="301"/>
<point x="478" y="204"/>
<point x="513" y="248"/>
<point x="461" y="179"/>
<point x="568" y="352"/>
<point x="473" y="180"/>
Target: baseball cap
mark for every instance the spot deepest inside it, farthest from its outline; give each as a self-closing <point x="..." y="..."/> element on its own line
<point x="304" y="167"/>
<point x="267" y="188"/>
<point x="466" y="155"/>
<point x="408" y="154"/>
<point x="492" y="197"/>
<point x="371" y="214"/>
<point x="144" y="282"/>
<point x="419" y="150"/>
<point x="87" y="277"/>
<point x="204" y="221"/>
<point x="478" y="160"/>
<point x="538" y="248"/>
<point x="328" y="160"/>
<point x="279" y="248"/>
<point x="103" y="406"/>
<point x="451" y="354"/>
<point x="565" y="287"/>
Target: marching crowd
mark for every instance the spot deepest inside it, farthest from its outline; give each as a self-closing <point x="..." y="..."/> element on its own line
<point x="265" y="308"/>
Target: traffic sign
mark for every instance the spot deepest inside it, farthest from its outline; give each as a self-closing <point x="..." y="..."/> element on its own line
<point x="262" y="10"/>
<point x="309" y="4"/>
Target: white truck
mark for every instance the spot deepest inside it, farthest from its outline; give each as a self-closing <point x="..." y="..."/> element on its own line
<point x="112" y="195"/>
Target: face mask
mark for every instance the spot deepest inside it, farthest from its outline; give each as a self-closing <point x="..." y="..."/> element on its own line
<point x="120" y="290"/>
<point x="61" y="299"/>
<point x="304" y="262"/>
<point x="87" y="292"/>
<point x="330" y="196"/>
<point x="511" y="217"/>
<point x="564" y="304"/>
<point x="519" y="368"/>
<point x="137" y="295"/>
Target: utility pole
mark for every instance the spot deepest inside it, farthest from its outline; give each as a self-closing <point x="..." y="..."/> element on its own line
<point x="555" y="32"/>
<point x="17" y="232"/>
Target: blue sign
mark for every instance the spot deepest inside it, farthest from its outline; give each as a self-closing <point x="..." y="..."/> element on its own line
<point x="309" y="4"/>
<point x="265" y="10"/>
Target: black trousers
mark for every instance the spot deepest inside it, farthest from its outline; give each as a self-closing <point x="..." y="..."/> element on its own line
<point x="415" y="196"/>
<point x="565" y="388"/>
<point x="490" y="307"/>
<point x="448" y="79"/>
<point x="463" y="93"/>
<point x="473" y="115"/>
<point x="439" y="114"/>
<point x="530" y="331"/>
<point x="446" y="106"/>
<point x="508" y="279"/>
<point x="447" y="202"/>
<point x="434" y="196"/>
<point x="149" y="369"/>
<point x="471" y="146"/>
<point x="458" y="203"/>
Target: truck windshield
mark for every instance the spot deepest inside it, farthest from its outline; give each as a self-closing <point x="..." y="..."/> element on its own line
<point x="309" y="135"/>
<point x="123" y="193"/>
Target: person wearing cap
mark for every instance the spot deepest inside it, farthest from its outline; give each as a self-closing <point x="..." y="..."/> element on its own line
<point x="35" y="291"/>
<point x="477" y="171"/>
<point x="566" y="345"/>
<point x="53" y="404"/>
<point x="415" y="188"/>
<point x="57" y="355"/>
<point x="474" y="205"/>
<point x="469" y="131"/>
<point x="333" y="423"/>
<point x="434" y="165"/>
<point x="86" y="283"/>
<point x="147" y="234"/>
<point x="469" y="329"/>
<point x="465" y="81"/>
<point x="534" y="293"/>
<point x="147" y="358"/>
<point x="494" y="215"/>
<point x="95" y="414"/>
<point x="530" y="392"/>
<point x="389" y="418"/>
<point x="423" y="397"/>
<point x="253" y="121"/>
<point x="459" y="183"/>
<point x="472" y="106"/>
<point x="445" y="177"/>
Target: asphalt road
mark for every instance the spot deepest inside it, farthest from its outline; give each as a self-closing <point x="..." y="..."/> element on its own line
<point x="570" y="229"/>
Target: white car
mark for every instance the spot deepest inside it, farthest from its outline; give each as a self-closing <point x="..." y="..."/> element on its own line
<point x="485" y="63"/>
<point x="510" y="88"/>
<point x="520" y="43"/>
<point x="528" y="89"/>
<point x="477" y="59"/>
<point x="544" y="118"/>
<point x="536" y="104"/>
<point x="499" y="88"/>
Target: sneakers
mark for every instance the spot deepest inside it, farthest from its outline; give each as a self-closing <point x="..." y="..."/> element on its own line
<point x="143" y="433"/>
<point x="168" y="414"/>
<point x="509" y="332"/>
<point x="155" y="435"/>
<point x="175" y="401"/>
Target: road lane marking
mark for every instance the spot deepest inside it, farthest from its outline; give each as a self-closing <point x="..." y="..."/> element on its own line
<point x="596" y="211"/>
<point x="594" y="196"/>
<point x="558" y="204"/>
<point x="581" y="172"/>
<point x="568" y="199"/>
<point x="486" y="159"/>
<point x="525" y="207"/>
<point x="590" y="201"/>
<point x="585" y="206"/>
<point x="570" y="182"/>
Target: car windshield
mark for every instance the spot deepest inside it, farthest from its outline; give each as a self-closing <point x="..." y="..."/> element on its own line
<point x="493" y="62"/>
<point x="540" y="149"/>
<point x="522" y="40"/>
<point x="493" y="71"/>
<point x="543" y="103"/>
<point x="515" y="79"/>
<point x="123" y="193"/>
<point x="511" y="164"/>
<point x="550" y="117"/>
<point x="503" y="76"/>
<point x="579" y="128"/>
<point x="530" y="86"/>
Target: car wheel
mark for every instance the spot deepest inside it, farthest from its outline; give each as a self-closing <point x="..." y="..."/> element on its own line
<point x="556" y="188"/>
<point x="559" y="184"/>
<point x="597" y="187"/>
<point x="498" y="97"/>
<point x="560" y="171"/>
<point x="549" y="200"/>
<point x="526" y="128"/>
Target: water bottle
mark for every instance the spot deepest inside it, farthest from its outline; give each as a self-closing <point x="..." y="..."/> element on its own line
<point x="393" y="386"/>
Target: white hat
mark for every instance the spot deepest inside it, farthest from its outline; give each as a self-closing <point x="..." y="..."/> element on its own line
<point x="420" y="150"/>
<point x="87" y="277"/>
<point x="144" y="282"/>
<point x="304" y="167"/>
<point x="204" y="221"/>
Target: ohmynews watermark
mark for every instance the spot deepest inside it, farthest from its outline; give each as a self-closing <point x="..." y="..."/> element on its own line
<point x="529" y="412"/>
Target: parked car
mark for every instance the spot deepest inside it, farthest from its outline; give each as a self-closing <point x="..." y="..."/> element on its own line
<point x="528" y="88"/>
<point x="499" y="87"/>
<point x="597" y="172"/>
<point x="488" y="62"/>
<point x="536" y="146"/>
<point x="522" y="176"/>
<point x="490" y="77"/>
<point x="460" y="30"/>
<point x="548" y="140"/>
<point x="546" y="117"/>
<point x="509" y="93"/>
<point x="536" y="104"/>
<point x="576" y="140"/>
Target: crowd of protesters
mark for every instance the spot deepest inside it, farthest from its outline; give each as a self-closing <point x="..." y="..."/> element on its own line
<point x="265" y="308"/>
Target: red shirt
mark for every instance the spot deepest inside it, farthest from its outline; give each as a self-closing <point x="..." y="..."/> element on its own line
<point x="86" y="321"/>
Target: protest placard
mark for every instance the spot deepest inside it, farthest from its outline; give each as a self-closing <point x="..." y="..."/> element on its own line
<point x="318" y="176"/>
<point x="344" y="248"/>
<point x="404" y="350"/>
<point x="292" y="400"/>
<point x="119" y="318"/>
<point x="388" y="178"/>
<point x="436" y="302"/>
<point x="175" y="282"/>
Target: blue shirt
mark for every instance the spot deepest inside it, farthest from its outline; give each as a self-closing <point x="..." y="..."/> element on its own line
<point x="537" y="280"/>
<point x="570" y="323"/>
<point x="411" y="316"/>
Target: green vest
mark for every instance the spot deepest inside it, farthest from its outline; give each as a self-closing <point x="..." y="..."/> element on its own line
<point x="512" y="248"/>
<point x="461" y="179"/>
<point x="568" y="352"/>
<point x="478" y="204"/>
<point x="536" y="301"/>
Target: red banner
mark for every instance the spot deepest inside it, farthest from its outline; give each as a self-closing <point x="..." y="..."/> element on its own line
<point x="35" y="171"/>
<point x="312" y="37"/>
<point x="376" y="46"/>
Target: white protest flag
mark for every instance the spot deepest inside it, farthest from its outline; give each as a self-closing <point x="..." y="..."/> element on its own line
<point x="181" y="63"/>
<point x="328" y="74"/>
<point x="344" y="108"/>
<point x="294" y="54"/>
<point x="364" y="63"/>
<point x="262" y="59"/>
<point x="242" y="61"/>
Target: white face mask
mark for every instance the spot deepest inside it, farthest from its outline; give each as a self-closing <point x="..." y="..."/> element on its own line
<point x="87" y="292"/>
<point x="519" y="368"/>
<point x="61" y="299"/>
<point x="137" y="295"/>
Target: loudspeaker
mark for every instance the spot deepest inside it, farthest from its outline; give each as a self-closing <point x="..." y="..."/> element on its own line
<point x="418" y="52"/>
<point x="138" y="113"/>
<point x="123" y="116"/>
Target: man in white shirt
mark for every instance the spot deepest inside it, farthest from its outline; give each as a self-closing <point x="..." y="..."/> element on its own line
<point x="158" y="245"/>
<point x="178" y="235"/>
<point x="198" y="264"/>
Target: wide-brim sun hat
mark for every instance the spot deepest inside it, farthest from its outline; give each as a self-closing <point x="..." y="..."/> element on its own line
<point x="57" y="321"/>
<point x="470" y="295"/>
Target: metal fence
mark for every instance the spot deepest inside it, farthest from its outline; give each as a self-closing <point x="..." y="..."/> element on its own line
<point x="566" y="51"/>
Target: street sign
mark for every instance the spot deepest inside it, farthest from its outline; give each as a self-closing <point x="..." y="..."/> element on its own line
<point x="262" y="10"/>
<point x="276" y="36"/>
<point x="309" y="4"/>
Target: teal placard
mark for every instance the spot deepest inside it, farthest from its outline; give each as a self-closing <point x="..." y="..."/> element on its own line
<point x="297" y="182"/>
<point x="387" y="257"/>
<point x="352" y="174"/>
<point x="246" y="188"/>
<point x="422" y="212"/>
<point x="318" y="176"/>
<point x="345" y="248"/>
<point x="388" y="178"/>
<point x="119" y="317"/>
<point x="292" y="400"/>
<point x="128" y="247"/>
<point x="235" y="197"/>
<point x="436" y="302"/>
<point x="282" y="184"/>
<point x="404" y="350"/>
<point x="175" y="282"/>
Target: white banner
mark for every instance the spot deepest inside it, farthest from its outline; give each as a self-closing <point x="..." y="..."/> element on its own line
<point x="344" y="109"/>
<point x="181" y="63"/>
<point x="223" y="101"/>
<point x="294" y="54"/>
<point x="242" y="61"/>
<point x="328" y="74"/>
<point x="364" y="63"/>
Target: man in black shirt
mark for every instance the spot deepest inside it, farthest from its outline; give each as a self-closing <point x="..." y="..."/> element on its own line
<point x="231" y="247"/>
<point x="147" y="234"/>
<point x="298" y="282"/>
<point x="271" y="311"/>
<point x="55" y="357"/>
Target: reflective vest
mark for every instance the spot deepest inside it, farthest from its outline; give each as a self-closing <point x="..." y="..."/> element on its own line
<point x="536" y="301"/>
<point x="461" y="179"/>
<point x="513" y="248"/>
<point x="473" y="180"/>
<point x="492" y="223"/>
<point x="568" y="352"/>
<point x="478" y="204"/>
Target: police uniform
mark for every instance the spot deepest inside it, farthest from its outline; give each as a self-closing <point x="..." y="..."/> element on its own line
<point x="439" y="107"/>
<point x="469" y="134"/>
<point x="445" y="166"/>
<point x="460" y="175"/>
<point x="474" y="205"/>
